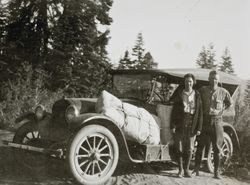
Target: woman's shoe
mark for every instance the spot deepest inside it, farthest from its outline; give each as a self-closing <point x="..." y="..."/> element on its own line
<point x="179" y="174"/>
<point x="197" y="173"/>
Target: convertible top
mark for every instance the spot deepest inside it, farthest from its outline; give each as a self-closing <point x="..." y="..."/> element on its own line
<point x="176" y="75"/>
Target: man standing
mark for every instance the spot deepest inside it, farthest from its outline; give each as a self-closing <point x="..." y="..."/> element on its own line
<point x="215" y="100"/>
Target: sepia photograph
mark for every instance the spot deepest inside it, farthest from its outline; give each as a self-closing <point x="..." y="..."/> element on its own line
<point x="124" y="92"/>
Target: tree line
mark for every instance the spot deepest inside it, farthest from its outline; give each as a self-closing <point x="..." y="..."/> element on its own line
<point x="206" y="59"/>
<point x="63" y="44"/>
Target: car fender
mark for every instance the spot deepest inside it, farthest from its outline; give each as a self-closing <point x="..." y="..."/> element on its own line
<point x="24" y="118"/>
<point x="100" y="119"/>
<point x="229" y="129"/>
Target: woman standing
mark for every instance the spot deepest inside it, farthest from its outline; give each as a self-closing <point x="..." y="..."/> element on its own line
<point x="186" y="122"/>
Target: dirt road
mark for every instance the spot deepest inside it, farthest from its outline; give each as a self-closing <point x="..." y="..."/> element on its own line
<point x="56" y="173"/>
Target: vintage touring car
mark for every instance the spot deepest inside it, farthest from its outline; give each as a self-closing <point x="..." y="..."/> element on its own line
<point x="92" y="144"/>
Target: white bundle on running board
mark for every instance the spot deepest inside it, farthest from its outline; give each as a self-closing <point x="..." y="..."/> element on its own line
<point x="136" y="123"/>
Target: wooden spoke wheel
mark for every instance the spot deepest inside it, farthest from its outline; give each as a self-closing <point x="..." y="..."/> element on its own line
<point x="93" y="155"/>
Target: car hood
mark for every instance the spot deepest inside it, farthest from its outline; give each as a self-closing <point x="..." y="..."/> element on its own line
<point x="84" y="105"/>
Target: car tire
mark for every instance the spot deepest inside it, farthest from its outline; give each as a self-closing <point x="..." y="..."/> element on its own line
<point x="28" y="134"/>
<point x="227" y="152"/>
<point x="93" y="155"/>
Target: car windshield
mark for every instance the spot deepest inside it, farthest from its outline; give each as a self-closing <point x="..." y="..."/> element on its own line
<point x="132" y="86"/>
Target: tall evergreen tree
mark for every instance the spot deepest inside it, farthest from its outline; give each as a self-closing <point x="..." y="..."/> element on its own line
<point x="139" y="59"/>
<point x="226" y="64"/>
<point x="148" y="62"/>
<point x="138" y="50"/>
<point x="126" y="62"/>
<point x="79" y="57"/>
<point x="3" y="49"/>
<point x="206" y="58"/>
<point x="27" y="32"/>
<point x="3" y="23"/>
<point x="63" y="36"/>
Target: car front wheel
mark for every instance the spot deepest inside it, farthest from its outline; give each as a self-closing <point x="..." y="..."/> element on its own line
<point x="93" y="155"/>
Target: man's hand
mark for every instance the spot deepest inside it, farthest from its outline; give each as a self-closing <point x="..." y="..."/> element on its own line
<point x="198" y="133"/>
<point x="173" y="130"/>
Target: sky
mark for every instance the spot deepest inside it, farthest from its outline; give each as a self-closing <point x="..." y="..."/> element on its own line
<point x="174" y="31"/>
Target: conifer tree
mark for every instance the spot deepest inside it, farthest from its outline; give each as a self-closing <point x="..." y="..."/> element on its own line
<point x="3" y="23"/>
<point x="206" y="58"/>
<point x="126" y="62"/>
<point x="226" y="64"/>
<point x="148" y="62"/>
<point x="139" y="59"/>
<point x="138" y="50"/>
<point x="79" y="59"/>
<point x="61" y="36"/>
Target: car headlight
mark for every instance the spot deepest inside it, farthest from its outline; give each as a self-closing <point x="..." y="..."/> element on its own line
<point x="71" y="112"/>
<point x="39" y="112"/>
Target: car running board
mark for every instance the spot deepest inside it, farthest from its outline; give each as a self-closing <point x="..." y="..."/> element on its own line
<point x="53" y="153"/>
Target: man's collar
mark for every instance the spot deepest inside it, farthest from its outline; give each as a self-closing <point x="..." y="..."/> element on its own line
<point x="214" y="88"/>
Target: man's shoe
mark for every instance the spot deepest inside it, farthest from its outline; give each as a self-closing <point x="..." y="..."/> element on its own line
<point x="187" y="174"/>
<point x="217" y="175"/>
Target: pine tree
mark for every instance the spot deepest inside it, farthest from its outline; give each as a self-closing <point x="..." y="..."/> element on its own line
<point x="126" y="62"/>
<point x="226" y="64"/>
<point x="3" y="49"/>
<point x="206" y="58"/>
<point x="63" y="37"/>
<point x="27" y="32"/>
<point x="138" y="51"/>
<point x="148" y="62"/>
<point x="79" y="59"/>
<point x="140" y="60"/>
<point x="3" y="22"/>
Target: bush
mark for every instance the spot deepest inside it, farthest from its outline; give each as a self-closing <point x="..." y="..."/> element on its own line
<point x="23" y="94"/>
<point x="242" y="126"/>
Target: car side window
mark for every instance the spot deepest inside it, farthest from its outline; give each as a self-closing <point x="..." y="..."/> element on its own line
<point x="162" y="92"/>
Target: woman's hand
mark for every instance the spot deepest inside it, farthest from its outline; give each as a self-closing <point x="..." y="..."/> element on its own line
<point x="198" y="133"/>
<point x="173" y="130"/>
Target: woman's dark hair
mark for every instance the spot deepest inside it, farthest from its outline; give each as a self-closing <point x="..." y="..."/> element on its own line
<point x="190" y="75"/>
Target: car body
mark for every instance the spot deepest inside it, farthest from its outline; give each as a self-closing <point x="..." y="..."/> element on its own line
<point x="93" y="144"/>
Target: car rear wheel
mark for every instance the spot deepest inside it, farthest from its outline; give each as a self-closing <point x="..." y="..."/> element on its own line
<point x="227" y="152"/>
<point x="93" y="155"/>
<point x="28" y="134"/>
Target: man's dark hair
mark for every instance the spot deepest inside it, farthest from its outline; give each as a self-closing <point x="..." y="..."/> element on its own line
<point x="213" y="72"/>
<point x="190" y="75"/>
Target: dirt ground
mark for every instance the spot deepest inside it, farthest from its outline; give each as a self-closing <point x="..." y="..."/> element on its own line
<point x="56" y="173"/>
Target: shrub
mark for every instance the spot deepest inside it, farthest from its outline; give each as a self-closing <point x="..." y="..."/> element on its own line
<point x="242" y="126"/>
<point x="23" y="94"/>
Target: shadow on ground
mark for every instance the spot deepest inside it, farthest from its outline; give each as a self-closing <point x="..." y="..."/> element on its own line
<point x="55" y="172"/>
<point x="11" y="172"/>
